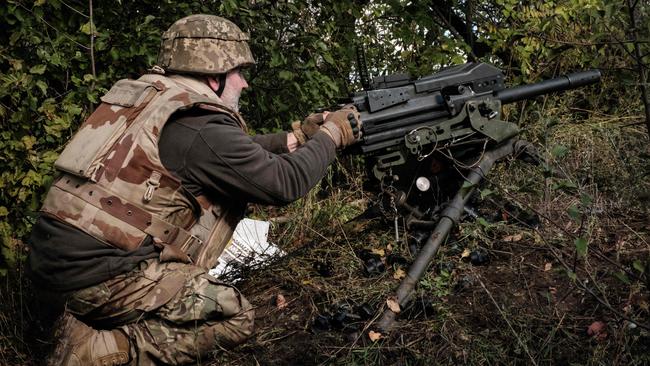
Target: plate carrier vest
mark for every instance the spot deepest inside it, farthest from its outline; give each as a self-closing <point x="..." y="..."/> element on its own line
<point x="115" y="188"/>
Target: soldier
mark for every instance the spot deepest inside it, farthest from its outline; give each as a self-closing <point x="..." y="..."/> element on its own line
<point x="152" y="187"/>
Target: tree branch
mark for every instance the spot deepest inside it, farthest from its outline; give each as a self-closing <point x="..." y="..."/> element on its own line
<point x="641" y="67"/>
<point x="462" y="29"/>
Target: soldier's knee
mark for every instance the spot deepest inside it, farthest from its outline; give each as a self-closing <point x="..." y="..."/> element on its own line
<point x="228" y="314"/>
<point x="240" y="326"/>
<point x="248" y="317"/>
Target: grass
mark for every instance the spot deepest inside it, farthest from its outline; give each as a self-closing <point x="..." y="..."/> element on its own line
<point x="531" y="304"/>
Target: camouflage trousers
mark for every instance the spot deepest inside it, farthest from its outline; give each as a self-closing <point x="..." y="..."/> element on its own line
<point x="172" y="313"/>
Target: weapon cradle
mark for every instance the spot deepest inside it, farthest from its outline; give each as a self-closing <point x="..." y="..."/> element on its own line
<point x="450" y="217"/>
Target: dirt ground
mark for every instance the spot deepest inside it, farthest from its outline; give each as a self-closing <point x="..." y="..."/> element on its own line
<point x="520" y="308"/>
<point x="564" y="278"/>
<point x="538" y="299"/>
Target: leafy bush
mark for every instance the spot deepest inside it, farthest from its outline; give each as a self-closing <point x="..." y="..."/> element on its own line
<point x="55" y="62"/>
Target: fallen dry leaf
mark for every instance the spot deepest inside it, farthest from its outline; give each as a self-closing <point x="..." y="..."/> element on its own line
<point x="547" y="267"/>
<point x="393" y="305"/>
<point x="399" y="274"/>
<point x="513" y="238"/>
<point x="374" y="336"/>
<point x="463" y="337"/>
<point x="379" y="252"/>
<point x="465" y="254"/>
<point x="598" y="330"/>
<point x="280" y="302"/>
<point x="627" y="308"/>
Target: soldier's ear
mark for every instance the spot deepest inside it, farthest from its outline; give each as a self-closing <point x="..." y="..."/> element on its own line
<point x="213" y="83"/>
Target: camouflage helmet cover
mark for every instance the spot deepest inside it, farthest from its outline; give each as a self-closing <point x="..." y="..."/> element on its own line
<point x="204" y="44"/>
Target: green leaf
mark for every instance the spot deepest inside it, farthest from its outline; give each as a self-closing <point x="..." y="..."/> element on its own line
<point x="622" y="277"/>
<point x="486" y="193"/>
<point x="72" y="109"/>
<point x="285" y="75"/>
<point x="49" y="157"/>
<point x="32" y="178"/>
<point x="638" y="266"/>
<point x="564" y="184"/>
<point x="574" y="213"/>
<point x="87" y="28"/>
<point x="276" y="59"/>
<point x="42" y="86"/>
<point x="38" y="69"/>
<point x="3" y="211"/>
<point x="572" y="275"/>
<point x="28" y="141"/>
<point x="115" y="55"/>
<point x="581" y="246"/>
<point x="321" y="45"/>
<point x="483" y="222"/>
<point x="328" y="58"/>
<point x="559" y="151"/>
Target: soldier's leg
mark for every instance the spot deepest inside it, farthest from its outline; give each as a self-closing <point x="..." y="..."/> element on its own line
<point x="174" y="313"/>
<point x="203" y="317"/>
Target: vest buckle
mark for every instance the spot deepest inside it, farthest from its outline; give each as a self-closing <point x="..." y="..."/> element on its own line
<point x="152" y="184"/>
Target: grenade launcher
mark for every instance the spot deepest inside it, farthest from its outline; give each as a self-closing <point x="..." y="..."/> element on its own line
<point x="419" y="134"/>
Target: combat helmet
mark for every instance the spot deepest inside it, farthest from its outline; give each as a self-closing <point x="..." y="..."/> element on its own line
<point x="204" y="44"/>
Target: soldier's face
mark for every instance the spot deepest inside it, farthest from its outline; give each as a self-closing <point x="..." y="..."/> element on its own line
<point x="235" y="83"/>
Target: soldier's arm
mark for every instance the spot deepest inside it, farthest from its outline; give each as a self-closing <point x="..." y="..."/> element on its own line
<point x="277" y="143"/>
<point x="222" y="160"/>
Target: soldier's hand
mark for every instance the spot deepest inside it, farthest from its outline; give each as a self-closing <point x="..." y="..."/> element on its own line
<point x="343" y="126"/>
<point x="304" y="130"/>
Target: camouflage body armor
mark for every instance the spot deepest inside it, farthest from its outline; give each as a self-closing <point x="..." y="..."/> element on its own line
<point x="115" y="188"/>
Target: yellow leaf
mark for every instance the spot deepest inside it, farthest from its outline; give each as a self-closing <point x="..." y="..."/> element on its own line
<point x="374" y="336"/>
<point x="379" y="252"/>
<point x="399" y="274"/>
<point x="28" y="141"/>
<point x="513" y="238"/>
<point x="280" y="302"/>
<point x="393" y="305"/>
<point x="466" y="253"/>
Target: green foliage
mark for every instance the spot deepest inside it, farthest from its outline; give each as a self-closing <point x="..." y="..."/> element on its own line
<point x="559" y="151"/>
<point x="47" y="87"/>
<point x="305" y="52"/>
<point x="581" y="246"/>
<point x="638" y="266"/>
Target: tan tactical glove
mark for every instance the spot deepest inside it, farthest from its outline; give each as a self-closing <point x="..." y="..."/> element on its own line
<point x="308" y="127"/>
<point x="343" y="126"/>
